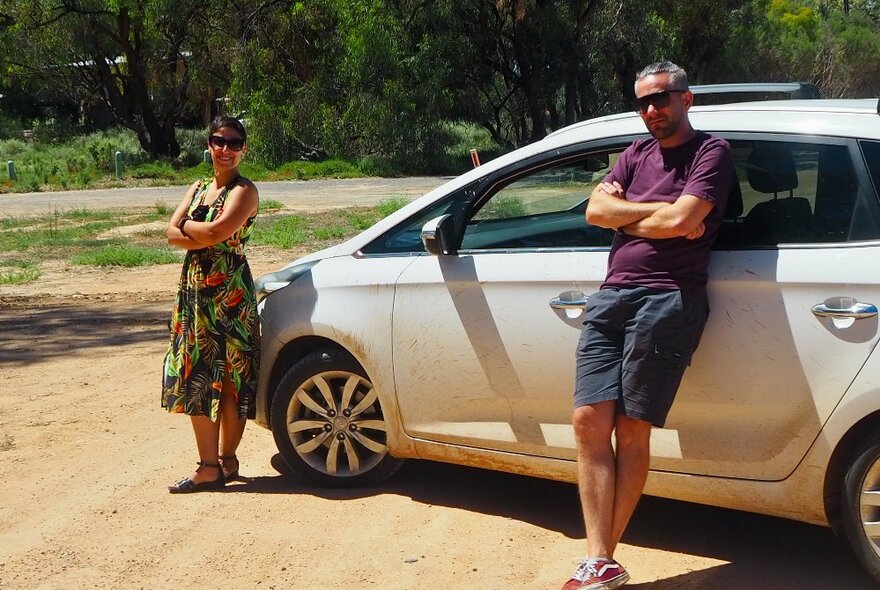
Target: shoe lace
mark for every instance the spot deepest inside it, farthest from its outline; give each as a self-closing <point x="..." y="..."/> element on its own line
<point x="585" y="569"/>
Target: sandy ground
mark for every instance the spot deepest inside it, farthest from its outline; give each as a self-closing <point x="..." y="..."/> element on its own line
<point x="87" y="453"/>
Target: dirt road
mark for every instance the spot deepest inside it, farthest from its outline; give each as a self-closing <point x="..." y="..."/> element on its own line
<point x="307" y="195"/>
<point x="87" y="454"/>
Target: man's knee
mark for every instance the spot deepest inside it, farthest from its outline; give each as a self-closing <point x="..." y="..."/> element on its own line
<point x="594" y="422"/>
<point x="632" y="433"/>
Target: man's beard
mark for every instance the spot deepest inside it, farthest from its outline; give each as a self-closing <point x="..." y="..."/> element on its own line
<point x="672" y="125"/>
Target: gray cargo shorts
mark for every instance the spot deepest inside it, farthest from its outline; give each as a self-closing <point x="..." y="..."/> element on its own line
<point x="635" y="346"/>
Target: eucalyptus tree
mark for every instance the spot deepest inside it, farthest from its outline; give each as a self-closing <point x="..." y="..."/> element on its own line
<point x="140" y="58"/>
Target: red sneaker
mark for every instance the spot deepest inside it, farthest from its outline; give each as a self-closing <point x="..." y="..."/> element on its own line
<point x="597" y="574"/>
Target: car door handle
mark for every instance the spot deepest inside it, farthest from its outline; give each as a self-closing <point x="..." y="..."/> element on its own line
<point x="569" y="300"/>
<point x="844" y="307"/>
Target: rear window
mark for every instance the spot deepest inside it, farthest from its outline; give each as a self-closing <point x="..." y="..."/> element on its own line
<point x="871" y="149"/>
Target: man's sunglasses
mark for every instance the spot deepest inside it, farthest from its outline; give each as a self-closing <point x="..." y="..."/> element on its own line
<point x="218" y="143"/>
<point x="660" y="100"/>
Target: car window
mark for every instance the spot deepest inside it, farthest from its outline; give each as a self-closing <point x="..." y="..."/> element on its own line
<point x="542" y="209"/>
<point x="871" y="150"/>
<point x="790" y="193"/>
<point x="406" y="238"/>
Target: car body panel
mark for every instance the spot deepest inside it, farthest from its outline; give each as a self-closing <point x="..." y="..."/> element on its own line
<point x="342" y="303"/>
<point x="461" y="362"/>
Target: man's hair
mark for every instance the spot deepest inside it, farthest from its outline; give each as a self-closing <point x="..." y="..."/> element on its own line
<point x="678" y="78"/>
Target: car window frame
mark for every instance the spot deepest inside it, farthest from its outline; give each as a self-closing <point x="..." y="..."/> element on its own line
<point x="504" y="177"/>
<point x="475" y="194"/>
<point x="859" y="169"/>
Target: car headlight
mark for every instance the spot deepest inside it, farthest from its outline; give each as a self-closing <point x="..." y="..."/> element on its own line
<point x="269" y="283"/>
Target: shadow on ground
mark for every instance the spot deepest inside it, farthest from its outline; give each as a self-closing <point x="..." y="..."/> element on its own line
<point x="763" y="553"/>
<point x="42" y="333"/>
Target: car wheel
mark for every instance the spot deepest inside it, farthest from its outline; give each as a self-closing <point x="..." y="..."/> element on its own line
<point x="861" y="508"/>
<point x="328" y="423"/>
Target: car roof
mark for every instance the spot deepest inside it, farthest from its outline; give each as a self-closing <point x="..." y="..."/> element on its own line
<point x="782" y="116"/>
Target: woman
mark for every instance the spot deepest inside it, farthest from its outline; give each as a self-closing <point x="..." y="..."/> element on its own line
<point x="211" y="367"/>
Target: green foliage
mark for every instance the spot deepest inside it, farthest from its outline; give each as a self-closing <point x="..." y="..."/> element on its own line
<point x="289" y="231"/>
<point x="303" y="170"/>
<point x="388" y="206"/>
<point x="850" y="55"/>
<point x="375" y="166"/>
<point x="282" y="232"/>
<point x="76" y="234"/>
<point x="154" y="170"/>
<point x="9" y="127"/>
<point x="68" y="55"/>
<point x="101" y="148"/>
<point x="125" y="254"/>
<point x="371" y="87"/>
<point x="503" y="207"/>
<point x="329" y="233"/>
<point x="18" y="272"/>
<point x="361" y="221"/>
<point x="268" y="205"/>
<point x="793" y="18"/>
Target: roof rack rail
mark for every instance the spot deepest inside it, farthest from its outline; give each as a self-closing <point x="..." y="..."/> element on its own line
<point x="792" y="89"/>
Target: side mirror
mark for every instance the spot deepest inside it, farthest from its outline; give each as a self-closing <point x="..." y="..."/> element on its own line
<point x="437" y="235"/>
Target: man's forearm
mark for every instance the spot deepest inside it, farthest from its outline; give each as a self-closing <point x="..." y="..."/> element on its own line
<point x="669" y="222"/>
<point x="608" y="211"/>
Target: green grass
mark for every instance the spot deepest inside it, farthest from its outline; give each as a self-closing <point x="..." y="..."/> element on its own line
<point x="18" y="272"/>
<point x="76" y="236"/>
<point x="320" y="229"/>
<point x="503" y="208"/>
<point x="282" y="232"/>
<point x="128" y="255"/>
<point x="388" y="206"/>
<point x="163" y="209"/>
<point x="267" y="205"/>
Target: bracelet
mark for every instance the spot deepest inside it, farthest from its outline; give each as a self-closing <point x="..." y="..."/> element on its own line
<point x="180" y="225"/>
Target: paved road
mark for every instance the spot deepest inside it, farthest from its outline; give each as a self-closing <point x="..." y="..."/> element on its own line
<point x="297" y="194"/>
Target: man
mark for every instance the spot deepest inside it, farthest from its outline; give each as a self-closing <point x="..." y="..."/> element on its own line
<point x="665" y="197"/>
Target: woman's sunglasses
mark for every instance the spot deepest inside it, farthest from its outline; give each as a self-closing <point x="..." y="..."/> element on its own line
<point x="218" y="143"/>
<point x="660" y="100"/>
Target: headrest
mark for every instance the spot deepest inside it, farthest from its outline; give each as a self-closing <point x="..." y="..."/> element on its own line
<point x="770" y="169"/>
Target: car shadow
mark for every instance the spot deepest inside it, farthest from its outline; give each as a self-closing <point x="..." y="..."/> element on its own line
<point x="762" y="552"/>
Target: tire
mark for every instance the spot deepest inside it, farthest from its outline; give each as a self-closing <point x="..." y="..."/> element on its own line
<point x="861" y="505"/>
<point x="328" y="423"/>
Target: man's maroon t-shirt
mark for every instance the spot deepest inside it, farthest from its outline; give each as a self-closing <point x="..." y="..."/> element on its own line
<point x="702" y="167"/>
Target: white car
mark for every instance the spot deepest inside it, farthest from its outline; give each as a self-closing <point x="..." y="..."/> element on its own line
<point x="447" y="331"/>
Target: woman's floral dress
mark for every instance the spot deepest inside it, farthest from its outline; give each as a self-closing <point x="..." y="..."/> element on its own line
<point x="214" y="327"/>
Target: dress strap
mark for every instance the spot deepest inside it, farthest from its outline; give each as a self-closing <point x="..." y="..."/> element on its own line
<point x="221" y="200"/>
<point x="200" y="192"/>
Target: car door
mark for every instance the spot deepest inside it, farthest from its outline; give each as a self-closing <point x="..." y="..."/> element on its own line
<point x="481" y="357"/>
<point x="776" y="358"/>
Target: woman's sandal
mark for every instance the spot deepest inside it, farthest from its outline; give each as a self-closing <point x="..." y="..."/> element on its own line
<point x="188" y="486"/>
<point x="229" y="475"/>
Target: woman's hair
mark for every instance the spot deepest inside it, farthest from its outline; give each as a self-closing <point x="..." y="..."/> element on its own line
<point x="231" y="123"/>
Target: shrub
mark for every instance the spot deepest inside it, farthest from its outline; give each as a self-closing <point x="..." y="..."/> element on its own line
<point x="11" y="148"/>
<point x="374" y="166"/>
